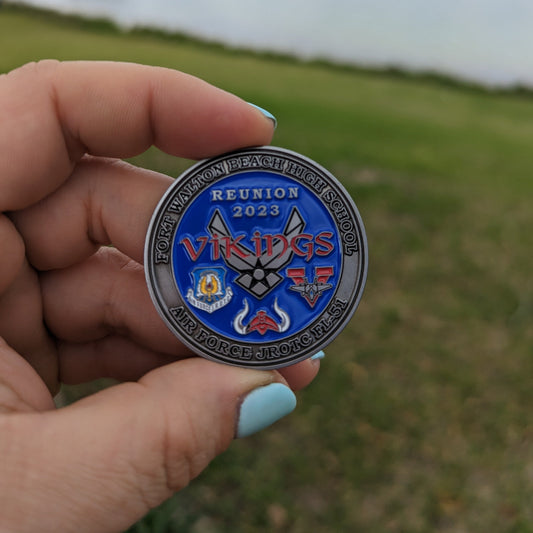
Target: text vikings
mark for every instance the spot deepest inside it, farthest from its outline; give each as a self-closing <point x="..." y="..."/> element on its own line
<point x="303" y="245"/>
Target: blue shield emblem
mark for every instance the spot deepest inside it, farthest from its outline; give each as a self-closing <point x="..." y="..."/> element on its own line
<point x="209" y="292"/>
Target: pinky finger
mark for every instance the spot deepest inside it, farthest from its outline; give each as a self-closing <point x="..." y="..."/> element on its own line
<point x="122" y="359"/>
<point x="113" y="356"/>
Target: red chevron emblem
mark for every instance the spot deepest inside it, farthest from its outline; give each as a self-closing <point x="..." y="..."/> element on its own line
<point x="310" y="290"/>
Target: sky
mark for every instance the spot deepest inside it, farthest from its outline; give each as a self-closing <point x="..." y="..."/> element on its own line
<point x="486" y="41"/>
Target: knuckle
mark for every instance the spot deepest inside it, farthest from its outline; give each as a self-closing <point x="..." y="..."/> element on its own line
<point x="44" y="67"/>
<point x="12" y="253"/>
<point x="119" y="270"/>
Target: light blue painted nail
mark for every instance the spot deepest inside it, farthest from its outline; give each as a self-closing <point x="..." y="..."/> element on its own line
<point x="266" y="113"/>
<point x="264" y="406"/>
<point x="319" y="355"/>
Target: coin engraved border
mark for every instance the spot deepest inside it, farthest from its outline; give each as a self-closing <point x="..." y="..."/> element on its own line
<point x="174" y="310"/>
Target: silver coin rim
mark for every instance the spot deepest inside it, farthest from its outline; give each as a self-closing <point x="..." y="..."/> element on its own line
<point x="353" y="299"/>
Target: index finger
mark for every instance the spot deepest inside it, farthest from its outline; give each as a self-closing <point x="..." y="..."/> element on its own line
<point x="53" y="113"/>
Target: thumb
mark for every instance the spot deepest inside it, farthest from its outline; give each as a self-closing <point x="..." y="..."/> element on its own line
<point x="103" y="462"/>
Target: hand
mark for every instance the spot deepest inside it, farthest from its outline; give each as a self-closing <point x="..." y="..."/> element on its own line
<point x="73" y="309"/>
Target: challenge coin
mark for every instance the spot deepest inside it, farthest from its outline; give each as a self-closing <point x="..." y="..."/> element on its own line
<point x="256" y="258"/>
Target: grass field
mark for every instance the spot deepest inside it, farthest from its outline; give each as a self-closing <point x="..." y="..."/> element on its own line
<point x="422" y="417"/>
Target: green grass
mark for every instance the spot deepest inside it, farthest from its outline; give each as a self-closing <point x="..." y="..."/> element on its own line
<point x="420" y="420"/>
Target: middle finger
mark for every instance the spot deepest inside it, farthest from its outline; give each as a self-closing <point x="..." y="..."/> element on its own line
<point x="106" y="201"/>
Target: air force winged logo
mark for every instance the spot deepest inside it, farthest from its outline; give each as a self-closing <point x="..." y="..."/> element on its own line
<point x="210" y="292"/>
<point x="258" y="273"/>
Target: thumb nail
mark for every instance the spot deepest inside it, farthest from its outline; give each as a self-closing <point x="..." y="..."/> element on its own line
<point x="264" y="406"/>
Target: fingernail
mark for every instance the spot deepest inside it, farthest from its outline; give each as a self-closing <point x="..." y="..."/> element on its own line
<point x="266" y="113"/>
<point x="264" y="406"/>
<point x="319" y="355"/>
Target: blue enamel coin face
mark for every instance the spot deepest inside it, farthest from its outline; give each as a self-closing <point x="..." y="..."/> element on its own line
<point x="260" y="260"/>
<point x="256" y="258"/>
